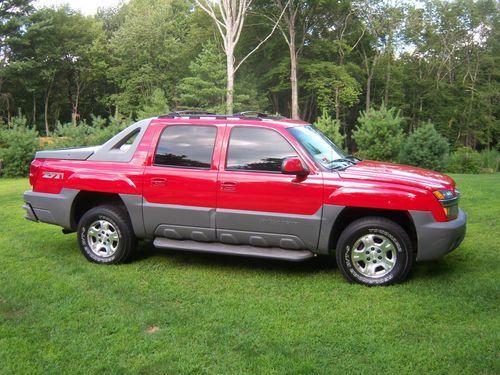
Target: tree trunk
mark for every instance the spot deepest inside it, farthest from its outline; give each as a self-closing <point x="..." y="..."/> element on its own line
<point x="230" y="80"/>
<point x="9" y="116"/>
<point x="74" y="106"/>
<point x="34" y="109"/>
<point x="293" y="73"/>
<point x="337" y="104"/>
<point x="368" y="91"/>
<point x="370" y="68"/>
<point x="46" y="113"/>
<point x="57" y="112"/>
<point x="46" y="110"/>
<point x="275" y="102"/>
<point x="388" y="71"/>
<point x="387" y="82"/>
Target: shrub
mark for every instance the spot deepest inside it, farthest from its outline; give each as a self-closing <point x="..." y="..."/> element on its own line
<point x="17" y="148"/>
<point x="379" y="134"/>
<point x="70" y="135"/>
<point x="490" y="160"/>
<point x="465" y="160"/>
<point x="104" y="131"/>
<point x="425" y="148"/>
<point x="331" y="128"/>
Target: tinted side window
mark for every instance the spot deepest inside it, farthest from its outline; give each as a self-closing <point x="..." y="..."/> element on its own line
<point x="257" y="149"/>
<point x="186" y="146"/>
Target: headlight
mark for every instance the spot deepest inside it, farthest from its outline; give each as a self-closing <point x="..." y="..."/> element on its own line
<point x="449" y="202"/>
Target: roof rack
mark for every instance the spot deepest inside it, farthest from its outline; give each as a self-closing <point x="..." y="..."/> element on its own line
<point x="187" y="113"/>
<point x="193" y="114"/>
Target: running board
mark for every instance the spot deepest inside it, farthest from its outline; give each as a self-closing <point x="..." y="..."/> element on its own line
<point x="239" y="250"/>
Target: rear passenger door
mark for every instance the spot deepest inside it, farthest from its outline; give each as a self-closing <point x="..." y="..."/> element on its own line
<point x="256" y="203"/>
<point x="180" y="185"/>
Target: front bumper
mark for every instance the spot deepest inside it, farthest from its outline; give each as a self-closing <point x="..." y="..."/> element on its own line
<point x="436" y="239"/>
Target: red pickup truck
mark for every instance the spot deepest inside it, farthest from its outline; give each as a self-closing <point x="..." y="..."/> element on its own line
<point x="248" y="185"/>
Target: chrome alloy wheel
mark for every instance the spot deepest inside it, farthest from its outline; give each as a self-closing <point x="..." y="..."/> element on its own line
<point x="102" y="238"/>
<point x="373" y="255"/>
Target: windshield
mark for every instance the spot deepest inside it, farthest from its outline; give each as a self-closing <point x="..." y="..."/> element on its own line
<point x="324" y="151"/>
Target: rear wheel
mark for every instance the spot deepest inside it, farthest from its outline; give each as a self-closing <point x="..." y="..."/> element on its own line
<point x="374" y="251"/>
<point x="105" y="235"/>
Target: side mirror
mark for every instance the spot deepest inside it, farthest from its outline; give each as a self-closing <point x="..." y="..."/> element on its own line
<point x="294" y="166"/>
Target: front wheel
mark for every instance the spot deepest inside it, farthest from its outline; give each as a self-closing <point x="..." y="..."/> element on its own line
<point x="105" y="235"/>
<point x="374" y="251"/>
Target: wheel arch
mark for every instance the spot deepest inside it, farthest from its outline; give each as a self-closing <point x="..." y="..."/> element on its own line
<point x="350" y="214"/>
<point x="86" y="200"/>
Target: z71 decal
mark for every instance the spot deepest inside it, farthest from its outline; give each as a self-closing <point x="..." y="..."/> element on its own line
<point x="53" y="175"/>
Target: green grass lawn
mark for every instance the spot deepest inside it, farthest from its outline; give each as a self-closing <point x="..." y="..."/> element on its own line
<point x="179" y="313"/>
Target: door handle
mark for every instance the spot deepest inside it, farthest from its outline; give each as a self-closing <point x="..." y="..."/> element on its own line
<point x="228" y="186"/>
<point x="158" y="181"/>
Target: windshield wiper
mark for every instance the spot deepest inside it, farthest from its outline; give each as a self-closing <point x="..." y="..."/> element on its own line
<point x="346" y="163"/>
<point x="349" y="159"/>
<point x="354" y="158"/>
<point x="343" y="160"/>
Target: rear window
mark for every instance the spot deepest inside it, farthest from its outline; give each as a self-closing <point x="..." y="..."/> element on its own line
<point x="187" y="146"/>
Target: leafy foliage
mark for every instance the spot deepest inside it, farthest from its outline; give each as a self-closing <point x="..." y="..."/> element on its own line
<point x="17" y="148"/>
<point x="149" y="51"/>
<point x="326" y="79"/>
<point x="99" y="131"/>
<point x="379" y="134"/>
<point x="155" y="105"/>
<point x="205" y="87"/>
<point x="490" y="160"/>
<point x="438" y="62"/>
<point x="465" y="160"/>
<point x="331" y="128"/>
<point x="425" y="148"/>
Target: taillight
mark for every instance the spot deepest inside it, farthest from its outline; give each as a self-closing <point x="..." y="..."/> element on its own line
<point x="34" y="170"/>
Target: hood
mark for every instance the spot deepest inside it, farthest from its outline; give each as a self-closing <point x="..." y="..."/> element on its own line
<point x="368" y="170"/>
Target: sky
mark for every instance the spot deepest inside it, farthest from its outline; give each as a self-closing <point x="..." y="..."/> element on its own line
<point x="87" y="7"/>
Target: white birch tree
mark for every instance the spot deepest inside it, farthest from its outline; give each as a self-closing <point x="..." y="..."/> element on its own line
<point x="229" y="17"/>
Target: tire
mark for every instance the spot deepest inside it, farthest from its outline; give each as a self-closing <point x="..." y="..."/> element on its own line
<point x="106" y="236"/>
<point x="374" y="251"/>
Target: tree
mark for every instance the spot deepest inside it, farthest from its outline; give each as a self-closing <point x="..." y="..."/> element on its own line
<point x="60" y="54"/>
<point x="331" y="83"/>
<point x="330" y="127"/>
<point x="299" y="19"/>
<point x="229" y="17"/>
<point x="148" y="52"/>
<point x="83" y="59"/>
<point x="13" y="15"/>
<point x="340" y="25"/>
<point x="380" y="19"/>
<point x="379" y="134"/>
<point x="451" y="78"/>
<point x="155" y="105"/>
<point x="425" y="148"/>
<point x="205" y="87"/>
